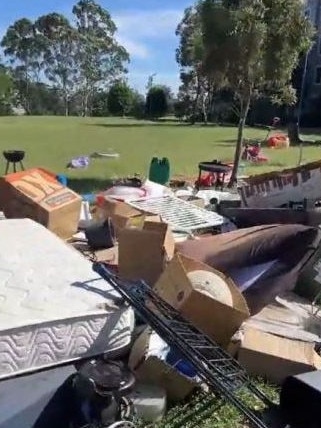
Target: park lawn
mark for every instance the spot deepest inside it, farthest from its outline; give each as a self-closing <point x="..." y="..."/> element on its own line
<point x="51" y="142"/>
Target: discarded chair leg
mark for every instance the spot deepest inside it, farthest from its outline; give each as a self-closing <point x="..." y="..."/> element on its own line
<point x="215" y="367"/>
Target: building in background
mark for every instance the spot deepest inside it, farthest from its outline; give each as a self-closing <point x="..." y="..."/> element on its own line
<point x="311" y="102"/>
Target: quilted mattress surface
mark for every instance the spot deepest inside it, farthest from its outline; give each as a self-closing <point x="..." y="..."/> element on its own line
<point x="53" y="307"/>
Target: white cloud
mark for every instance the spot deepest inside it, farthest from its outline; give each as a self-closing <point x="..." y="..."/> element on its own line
<point x="141" y="24"/>
<point x="134" y="48"/>
<point x="137" y="28"/>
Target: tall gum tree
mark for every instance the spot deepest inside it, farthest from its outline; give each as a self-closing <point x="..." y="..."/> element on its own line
<point x="256" y="45"/>
<point x="20" y="46"/>
<point x="59" y="41"/>
<point x="102" y="60"/>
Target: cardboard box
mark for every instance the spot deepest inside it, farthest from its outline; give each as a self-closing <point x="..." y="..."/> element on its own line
<point x="217" y="320"/>
<point x="121" y="214"/>
<point x="36" y="194"/>
<point x="144" y="253"/>
<point x="274" y="357"/>
<point x="150" y="369"/>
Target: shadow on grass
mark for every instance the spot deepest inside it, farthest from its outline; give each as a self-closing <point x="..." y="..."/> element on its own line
<point x="139" y="125"/>
<point x="160" y="123"/>
<point x="88" y="185"/>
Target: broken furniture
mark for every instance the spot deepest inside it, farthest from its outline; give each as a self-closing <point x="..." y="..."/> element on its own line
<point x="263" y="261"/>
<point x="217" y="173"/>
<point x="215" y="367"/>
<point x="13" y="157"/>
<point x="249" y="217"/>
<point x="278" y="188"/>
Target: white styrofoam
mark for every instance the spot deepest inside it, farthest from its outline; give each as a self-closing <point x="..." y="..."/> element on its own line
<point x="53" y="307"/>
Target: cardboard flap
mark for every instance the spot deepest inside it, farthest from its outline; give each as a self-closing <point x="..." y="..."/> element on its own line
<point x="139" y="350"/>
<point x="114" y="207"/>
<point x="166" y="237"/>
<point x="276" y="357"/>
<point x="214" y="318"/>
<point x="283" y="348"/>
<point x="141" y="255"/>
<point x="189" y="265"/>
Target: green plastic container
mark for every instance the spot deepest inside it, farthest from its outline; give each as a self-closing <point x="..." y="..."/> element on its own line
<point x="159" y="170"/>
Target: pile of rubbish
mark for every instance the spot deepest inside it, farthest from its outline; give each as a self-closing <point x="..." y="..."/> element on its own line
<point x="113" y="311"/>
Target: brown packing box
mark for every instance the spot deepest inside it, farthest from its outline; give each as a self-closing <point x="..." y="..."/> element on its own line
<point x="36" y="194"/>
<point x="144" y="253"/>
<point x="122" y="214"/>
<point x="274" y="357"/>
<point x="152" y="370"/>
<point x="214" y="318"/>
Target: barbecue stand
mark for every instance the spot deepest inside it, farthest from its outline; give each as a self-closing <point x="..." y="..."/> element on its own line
<point x="215" y="367"/>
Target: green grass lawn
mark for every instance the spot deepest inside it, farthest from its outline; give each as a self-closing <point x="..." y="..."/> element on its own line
<point x="51" y="142"/>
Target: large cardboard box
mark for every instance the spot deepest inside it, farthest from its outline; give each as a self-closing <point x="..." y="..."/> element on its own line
<point x="219" y="321"/>
<point x="144" y="253"/>
<point x="275" y="357"/>
<point x="149" y="368"/>
<point x="36" y="194"/>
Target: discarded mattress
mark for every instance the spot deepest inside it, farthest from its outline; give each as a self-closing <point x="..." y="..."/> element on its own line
<point x="263" y="261"/>
<point x="53" y="307"/>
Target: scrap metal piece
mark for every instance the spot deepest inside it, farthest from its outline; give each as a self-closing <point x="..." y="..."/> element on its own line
<point x="215" y="367"/>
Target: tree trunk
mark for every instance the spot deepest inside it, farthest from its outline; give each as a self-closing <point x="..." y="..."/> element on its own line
<point x="85" y="105"/>
<point x="205" y="113"/>
<point x="66" y="108"/>
<point x="193" y="118"/>
<point x="66" y="103"/>
<point x="239" y="142"/>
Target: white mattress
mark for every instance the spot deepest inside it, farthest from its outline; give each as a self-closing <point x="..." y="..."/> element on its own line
<point x="53" y="307"/>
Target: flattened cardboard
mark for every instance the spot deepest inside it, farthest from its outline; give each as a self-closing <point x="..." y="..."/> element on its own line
<point x="282" y="321"/>
<point x="144" y="253"/>
<point x="36" y="194"/>
<point x="274" y="357"/>
<point x="215" y="319"/>
<point x="151" y="370"/>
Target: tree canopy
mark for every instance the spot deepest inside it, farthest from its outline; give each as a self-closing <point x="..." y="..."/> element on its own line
<point x="250" y="47"/>
<point x="157" y="101"/>
<point x="80" y="58"/>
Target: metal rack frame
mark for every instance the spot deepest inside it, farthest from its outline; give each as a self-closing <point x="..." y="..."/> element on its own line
<point x="215" y="367"/>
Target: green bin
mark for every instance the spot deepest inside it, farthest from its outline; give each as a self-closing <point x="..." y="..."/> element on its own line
<point x="159" y="170"/>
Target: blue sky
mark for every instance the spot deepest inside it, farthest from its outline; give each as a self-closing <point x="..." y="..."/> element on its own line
<point x="145" y="27"/>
